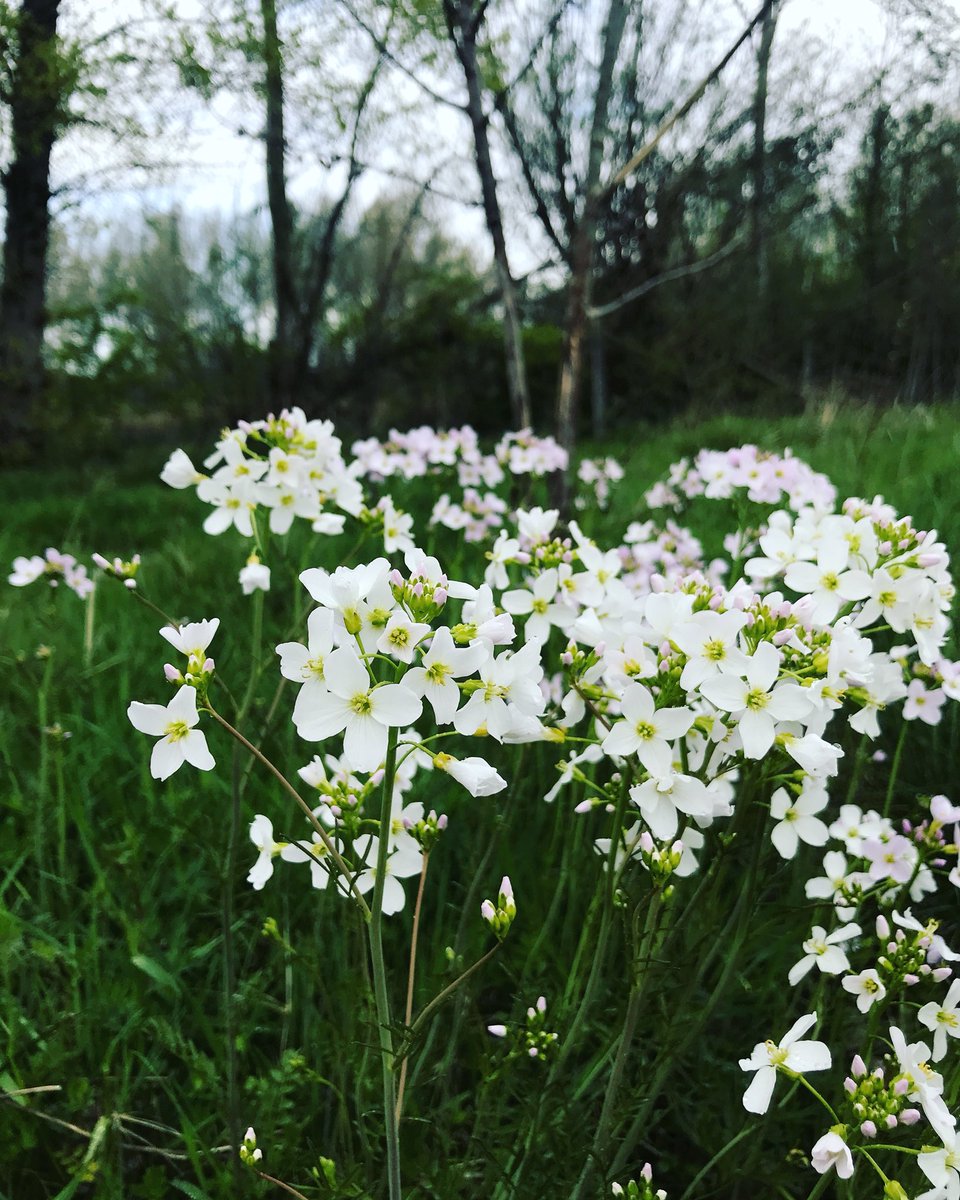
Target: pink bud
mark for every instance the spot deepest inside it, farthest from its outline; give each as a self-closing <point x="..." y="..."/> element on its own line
<point x="440" y="595"/>
<point x="497" y="1030"/>
<point x="883" y="927"/>
<point x="171" y="674"/>
<point x="929" y="560"/>
<point x="849" y="1086"/>
<point x="942" y="973"/>
<point x="901" y="1087"/>
<point x="584" y="806"/>
<point x="891" y="1121"/>
<point x="209" y="666"/>
<point x="910" y="1116"/>
<point x="646" y="1172"/>
<point x="100" y="561"/>
<point x="487" y="911"/>
<point x="533" y="1052"/>
<point x="782" y="637"/>
<point x="910" y="979"/>
<point x="646" y="842"/>
<point x="858" y="1067"/>
<point x="868" y="1129"/>
<point x="442" y="821"/>
<point x="541" y="1004"/>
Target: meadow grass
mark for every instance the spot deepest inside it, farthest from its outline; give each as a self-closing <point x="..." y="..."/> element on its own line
<point x="171" y="1005"/>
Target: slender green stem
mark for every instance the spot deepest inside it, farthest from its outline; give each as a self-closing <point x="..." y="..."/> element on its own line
<point x="40" y="807"/>
<point x="895" y="768"/>
<point x="639" y="977"/>
<point x="411" y="974"/>
<point x="448" y="991"/>
<point x="380" y="993"/>
<point x="348" y="876"/>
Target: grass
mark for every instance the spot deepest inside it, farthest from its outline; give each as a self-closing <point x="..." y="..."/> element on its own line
<point x="136" y="975"/>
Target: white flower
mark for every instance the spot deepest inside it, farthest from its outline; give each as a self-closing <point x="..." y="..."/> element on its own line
<point x="255" y="576"/>
<point x="926" y="1085"/>
<point x="661" y="797"/>
<point x="435" y="679"/>
<point x="832" y="1151"/>
<point x="824" y="950"/>
<point x="943" y="1019"/>
<point x="942" y="1167"/>
<point x="790" y="1055"/>
<point x="755" y="700"/>
<point x="475" y="774"/>
<point x="646" y="730"/>
<point x="402" y="861"/>
<point x="179" y="472"/>
<point x="401" y="636"/>
<point x="867" y="987"/>
<point x="261" y="834"/>
<point x="192" y="639"/>
<point x="174" y="724"/>
<point x="363" y="712"/>
<point x="796" y="820"/>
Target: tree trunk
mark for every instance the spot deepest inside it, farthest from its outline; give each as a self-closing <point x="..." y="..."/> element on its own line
<point x="463" y="23"/>
<point x="35" y="105"/>
<point x="758" y="205"/>
<point x="282" y="347"/>
<point x="582" y="255"/>
<point x="598" y="379"/>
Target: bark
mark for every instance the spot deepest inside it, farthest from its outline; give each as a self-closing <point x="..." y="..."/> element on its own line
<point x="281" y="218"/>
<point x="582" y="255"/>
<point x="758" y="205"/>
<point x="463" y="21"/>
<point x="35" y="102"/>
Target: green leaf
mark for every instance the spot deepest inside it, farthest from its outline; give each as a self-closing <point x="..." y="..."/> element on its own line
<point x="190" y="1189"/>
<point x="159" y="975"/>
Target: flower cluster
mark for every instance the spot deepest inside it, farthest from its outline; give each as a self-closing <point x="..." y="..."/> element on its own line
<point x="54" y="567"/>
<point x="533" y="1039"/>
<point x="759" y="476"/>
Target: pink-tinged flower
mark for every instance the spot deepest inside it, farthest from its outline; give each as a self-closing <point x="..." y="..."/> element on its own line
<point x="831" y="1151"/>
<point x="174" y="724"/>
<point x="922" y="704"/>
<point x="790" y="1054"/>
<point x="891" y="858"/>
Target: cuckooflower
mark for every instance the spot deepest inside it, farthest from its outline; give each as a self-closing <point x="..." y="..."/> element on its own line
<point x="824" y="950"/>
<point x="353" y="706"/>
<point x="174" y="724"/>
<point x="832" y="1151"/>
<point x="790" y="1054"/>
<point x="943" y="1019"/>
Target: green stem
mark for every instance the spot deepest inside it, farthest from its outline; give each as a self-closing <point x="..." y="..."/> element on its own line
<point x="43" y="781"/>
<point x="895" y="769"/>
<point x="601" y="1139"/>
<point x="348" y="876"/>
<point x="380" y="994"/>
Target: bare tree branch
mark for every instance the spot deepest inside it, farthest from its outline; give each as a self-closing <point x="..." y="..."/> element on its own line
<point x="648" y="285"/>
<point x="391" y="58"/>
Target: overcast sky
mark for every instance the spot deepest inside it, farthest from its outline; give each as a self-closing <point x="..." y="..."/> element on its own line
<point x="223" y="172"/>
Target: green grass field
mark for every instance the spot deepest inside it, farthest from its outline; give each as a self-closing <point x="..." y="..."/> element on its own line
<point x="137" y="977"/>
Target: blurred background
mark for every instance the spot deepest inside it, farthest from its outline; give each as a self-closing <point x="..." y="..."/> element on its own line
<point x="452" y="210"/>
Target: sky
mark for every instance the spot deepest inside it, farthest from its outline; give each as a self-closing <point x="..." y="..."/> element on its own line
<point x="215" y="170"/>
